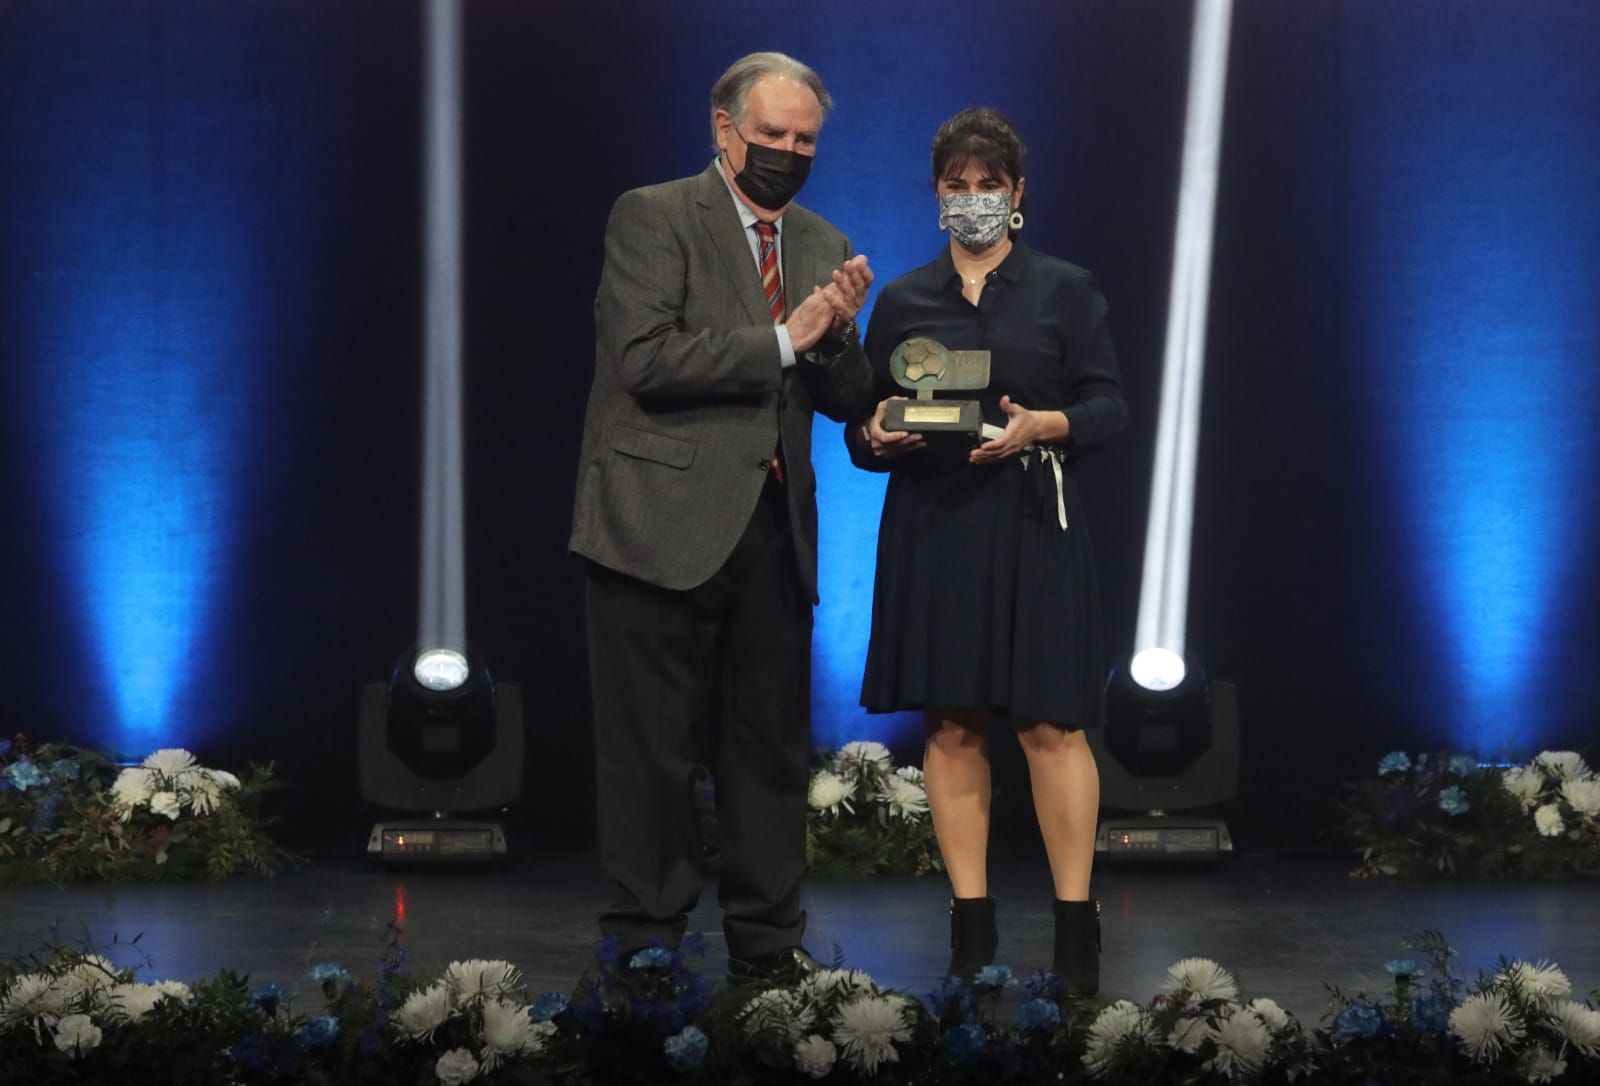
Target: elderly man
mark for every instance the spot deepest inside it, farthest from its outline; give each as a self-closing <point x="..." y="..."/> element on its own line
<point x="725" y="318"/>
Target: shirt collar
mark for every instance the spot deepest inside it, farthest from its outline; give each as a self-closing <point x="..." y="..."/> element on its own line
<point x="1010" y="269"/>
<point x="747" y="218"/>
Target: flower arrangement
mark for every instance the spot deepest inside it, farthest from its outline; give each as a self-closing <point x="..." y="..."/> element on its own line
<point x="1442" y="815"/>
<point x="867" y="816"/>
<point x="68" y="813"/>
<point x="71" y="1016"/>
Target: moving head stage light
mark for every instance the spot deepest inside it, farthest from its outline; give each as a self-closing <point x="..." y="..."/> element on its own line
<point x="1166" y="751"/>
<point x="439" y="739"/>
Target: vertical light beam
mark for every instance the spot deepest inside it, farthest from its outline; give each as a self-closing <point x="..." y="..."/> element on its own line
<point x="442" y="604"/>
<point x="1159" y="641"/>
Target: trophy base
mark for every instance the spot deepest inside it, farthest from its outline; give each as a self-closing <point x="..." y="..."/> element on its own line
<point x="952" y="419"/>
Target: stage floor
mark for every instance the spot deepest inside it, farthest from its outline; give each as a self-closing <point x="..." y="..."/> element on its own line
<point x="1283" y="926"/>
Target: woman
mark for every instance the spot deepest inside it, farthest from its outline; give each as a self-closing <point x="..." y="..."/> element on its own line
<point x="986" y="602"/>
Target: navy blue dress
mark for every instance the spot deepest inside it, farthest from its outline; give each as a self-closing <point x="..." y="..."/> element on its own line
<point x="982" y="598"/>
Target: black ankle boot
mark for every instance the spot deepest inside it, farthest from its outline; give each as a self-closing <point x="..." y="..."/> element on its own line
<point x="1077" y="953"/>
<point x="973" y="936"/>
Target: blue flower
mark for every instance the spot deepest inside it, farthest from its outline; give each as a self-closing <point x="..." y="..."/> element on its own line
<point x="267" y="998"/>
<point x="1462" y="765"/>
<point x="961" y="1043"/>
<point x="1452" y="801"/>
<point x="324" y="972"/>
<point x="654" y="957"/>
<point x="1042" y="984"/>
<point x="1038" y="1014"/>
<point x="64" y="769"/>
<point x="1403" y="967"/>
<point x="994" y="976"/>
<point x="1394" y="762"/>
<point x="1358" y="1020"/>
<point x="320" y="1032"/>
<point x="686" y="1050"/>
<point x="25" y="775"/>
<point x="951" y="990"/>
<point x="548" y="1005"/>
<point x="1430" y="1012"/>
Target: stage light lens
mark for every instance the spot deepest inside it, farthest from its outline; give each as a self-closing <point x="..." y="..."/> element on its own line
<point x="1157" y="669"/>
<point x="441" y="669"/>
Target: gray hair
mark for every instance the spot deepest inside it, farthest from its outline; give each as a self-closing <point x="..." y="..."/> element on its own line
<point x="732" y="91"/>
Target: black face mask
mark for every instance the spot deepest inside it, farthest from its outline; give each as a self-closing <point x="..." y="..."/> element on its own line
<point x="771" y="177"/>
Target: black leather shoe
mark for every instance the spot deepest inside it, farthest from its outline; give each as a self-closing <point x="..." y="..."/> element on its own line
<point x="781" y="969"/>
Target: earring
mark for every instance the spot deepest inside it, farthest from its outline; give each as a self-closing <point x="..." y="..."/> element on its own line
<point x="1015" y="222"/>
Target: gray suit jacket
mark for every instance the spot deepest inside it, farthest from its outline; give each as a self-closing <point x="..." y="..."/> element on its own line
<point x="689" y="393"/>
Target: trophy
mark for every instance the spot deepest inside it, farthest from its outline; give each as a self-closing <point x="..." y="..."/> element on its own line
<point x="924" y="365"/>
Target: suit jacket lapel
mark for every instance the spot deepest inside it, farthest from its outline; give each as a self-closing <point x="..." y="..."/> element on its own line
<point x="727" y="233"/>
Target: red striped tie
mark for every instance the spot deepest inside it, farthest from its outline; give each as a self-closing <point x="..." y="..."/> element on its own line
<point x="771" y="281"/>
<point x="772" y="287"/>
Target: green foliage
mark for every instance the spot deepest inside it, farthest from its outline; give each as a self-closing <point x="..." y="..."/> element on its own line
<point x="63" y="818"/>
<point x="1445" y="816"/>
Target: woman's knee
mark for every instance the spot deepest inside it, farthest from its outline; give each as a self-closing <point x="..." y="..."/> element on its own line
<point x="1042" y="737"/>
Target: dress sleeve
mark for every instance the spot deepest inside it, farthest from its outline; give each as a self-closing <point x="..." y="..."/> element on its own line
<point x="1096" y="408"/>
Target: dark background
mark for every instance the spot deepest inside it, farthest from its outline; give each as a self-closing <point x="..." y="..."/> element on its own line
<point x="210" y="324"/>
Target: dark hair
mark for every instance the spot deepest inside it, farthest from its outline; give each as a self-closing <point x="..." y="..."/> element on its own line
<point x="985" y="136"/>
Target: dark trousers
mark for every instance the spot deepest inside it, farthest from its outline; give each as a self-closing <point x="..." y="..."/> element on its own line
<point x="717" y="675"/>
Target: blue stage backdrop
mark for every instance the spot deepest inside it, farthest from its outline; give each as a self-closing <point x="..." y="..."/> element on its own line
<point x="1474" y="268"/>
<point x="209" y="300"/>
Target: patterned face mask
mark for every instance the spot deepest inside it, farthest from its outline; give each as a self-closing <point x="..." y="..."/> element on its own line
<point x="975" y="219"/>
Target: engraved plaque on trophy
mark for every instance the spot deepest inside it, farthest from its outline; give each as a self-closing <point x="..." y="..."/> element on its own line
<point x="924" y="365"/>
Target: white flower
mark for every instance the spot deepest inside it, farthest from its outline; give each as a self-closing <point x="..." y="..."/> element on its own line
<point x="202" y="794"/>
<point x="132" y="788"/>
<point x="1540" y="1066"/>
<point x="1117" y="1023"/>
<point x="1562" y="765"/>
<point x="88" y="983"/>
<point x="424" y="1011"/>
<point x="906" y="799"/>
<point x="456" y="1066"/>
<point x="866" y="1029"/>
<point x="1548" y="820"/>
<point x="165" y="803"/>
<point x="507" y="1030"/>
<point x="77" y="1034"/>
<point x="1242" y="1043"/>
<point x="170" y="762"/>
<point x="1484" y="1022"/>
<point x="778" y="1011"/>
<point x="175" y="989"/>
<point x="1580" y="1026"/>
<point x="910" y="773"/>
<point x="864" y="754"/>
<point x="1199" y="978"/>
<point x="829" y="792"/>
<point x="477" y="978"/>
<point x="225" y="780"/>
<point x="827" y="983"/>
<point x="134" y="1001"/>
<point x="1272" y="1016"/>
<point x="32" y="997"/>
<point x="1189" y="1033"/>
<point x="1524" y="784"/>
<point x="1582" y="796"/>
<point x="1544" y="983"/>
<point x="815" y="1056"/>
